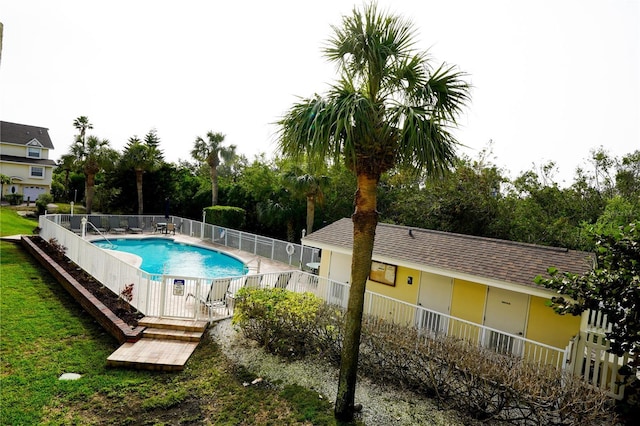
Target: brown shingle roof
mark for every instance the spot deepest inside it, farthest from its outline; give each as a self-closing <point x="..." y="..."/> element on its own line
<point x="490" y="258"/>
<point x="22" y="134"/>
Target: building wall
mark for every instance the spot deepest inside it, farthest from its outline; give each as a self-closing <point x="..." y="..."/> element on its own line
<point x="21" y="150"/>
<point x="468" y="301"/>
<point x="402" y="290"/>
<point x="545" y="326"/>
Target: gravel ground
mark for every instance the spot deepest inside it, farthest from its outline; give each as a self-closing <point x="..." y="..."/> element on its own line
<point x="381" y="405"/>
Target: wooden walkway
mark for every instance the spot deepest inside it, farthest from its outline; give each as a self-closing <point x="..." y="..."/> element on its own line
<point x="166" y="345"/>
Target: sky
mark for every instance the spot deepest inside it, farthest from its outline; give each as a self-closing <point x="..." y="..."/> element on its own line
<point x="552" y="80"/>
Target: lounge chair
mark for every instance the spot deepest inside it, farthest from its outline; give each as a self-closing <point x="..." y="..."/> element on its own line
<point x="253" y="281"/>
<point x="283" y="280"/>
<point x="97" y="227"/>
<point x="76" y="224"/>
<point x="216" y="296"/>
<point x="115" y="226"/>
<point x="134" y="226"/>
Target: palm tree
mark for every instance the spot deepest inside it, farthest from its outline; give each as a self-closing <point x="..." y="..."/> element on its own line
<point x="310" y="185"/>
<point x="142" y="157"/>
<point x="388" y="108"/>
<point x="82" y="124"/>
<point x="67" y="163"/>
<point x="210" y="152"/>
<point x="92" y="155"/>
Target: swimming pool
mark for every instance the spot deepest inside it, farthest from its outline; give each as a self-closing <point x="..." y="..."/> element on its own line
<point x="165" y="256"/>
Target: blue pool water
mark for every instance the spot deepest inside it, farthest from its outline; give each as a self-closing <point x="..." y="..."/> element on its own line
<point x="163" y="256"/>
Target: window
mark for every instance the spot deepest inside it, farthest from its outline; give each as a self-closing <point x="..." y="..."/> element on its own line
<point x="33" y="152"/>
<point x="37" y="172"/>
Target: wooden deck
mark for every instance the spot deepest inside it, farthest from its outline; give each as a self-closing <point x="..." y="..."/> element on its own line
<point x="166" y="345"/>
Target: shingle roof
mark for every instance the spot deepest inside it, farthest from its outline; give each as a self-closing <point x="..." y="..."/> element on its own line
<point x="26" y="160"/>
<point x="22" y="134"/>
<point x="490" y="258"/>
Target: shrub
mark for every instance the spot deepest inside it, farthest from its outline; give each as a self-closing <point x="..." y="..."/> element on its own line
<point x="278" y="319"/>
<point x="479" y="382"/>
<point x="225" y="216"/>
<point x="14" y="199"/>
<point x="42" y="201"/>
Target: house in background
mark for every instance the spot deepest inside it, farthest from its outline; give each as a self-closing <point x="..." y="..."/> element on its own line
<point x="24" y="158"/>
<point x="467" y="279"/>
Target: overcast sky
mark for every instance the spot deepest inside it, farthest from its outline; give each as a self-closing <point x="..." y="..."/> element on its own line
<point x="552" y="79"/>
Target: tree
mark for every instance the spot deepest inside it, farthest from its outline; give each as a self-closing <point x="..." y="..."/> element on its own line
<point x="82" y="125"/>
<point x="210" y="152"/>
<point x="92" y="156"/>
<point x="67" y="164"/>
<point x="142" y="157"/>
<point x="310" y="184"/>
<point x="611" y="287"/>
<point x="388" y="107"/>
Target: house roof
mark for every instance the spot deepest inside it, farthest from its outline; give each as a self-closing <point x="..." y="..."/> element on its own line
<point x="27" y="160"/>
<point x="490" y="258"/>
<point x="22" y="134"/>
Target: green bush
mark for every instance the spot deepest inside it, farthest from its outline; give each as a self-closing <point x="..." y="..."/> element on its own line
<point x="463" y="377"/>
<point x="42" y="201"/>
<point x="14" y="199"/>
<point x="278" y="319"/>
<point x="225" y="216"/>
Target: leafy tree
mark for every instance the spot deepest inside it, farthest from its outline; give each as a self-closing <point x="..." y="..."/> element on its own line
<point x="67" y="164"/>
<point x="628" y="177"/>
<point x="389" y="107"/>
<point x="142" y="157"/>
<point x="611" y="287"/>
<point x="210" y="152"/>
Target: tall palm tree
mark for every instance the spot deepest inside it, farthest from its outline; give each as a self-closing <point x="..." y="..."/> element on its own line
<point x="388" y="108"/>
<point x="310" y="184"/>
<point x="92" y="155"/>
<point x="82" y="124"/>
<point x="211" y="152"/>
<point x="141" y="157"/>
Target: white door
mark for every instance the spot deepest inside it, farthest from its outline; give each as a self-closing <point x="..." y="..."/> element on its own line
<point x="340" y="271"/>
<point x="434" y="294"/>
<point x="505" y="311"/>
<point x="340" y="267"/>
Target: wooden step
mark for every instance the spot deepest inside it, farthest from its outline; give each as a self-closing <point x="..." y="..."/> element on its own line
<point x="153" y="354"/>
<point x="174" y="324"/>
<point x="172" y="334"/>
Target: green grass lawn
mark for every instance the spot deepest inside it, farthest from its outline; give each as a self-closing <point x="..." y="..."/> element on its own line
<point x="45" y="333"/>
<point x="11" y="223"/>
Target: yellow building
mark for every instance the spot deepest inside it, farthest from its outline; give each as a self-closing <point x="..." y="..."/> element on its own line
<point x="473" y="281"/>
<point x="24" y="158"/>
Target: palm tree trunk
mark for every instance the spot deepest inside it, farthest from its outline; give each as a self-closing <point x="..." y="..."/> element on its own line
<point x="214" y="185"/>
<point x="139" y="188"/>
<point x="311" y="212"/>
<point x="88" y="198"/>
<point x="365" y="220"/>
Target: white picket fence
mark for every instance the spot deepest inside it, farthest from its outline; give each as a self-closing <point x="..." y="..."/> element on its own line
<point x="205" y="298"/>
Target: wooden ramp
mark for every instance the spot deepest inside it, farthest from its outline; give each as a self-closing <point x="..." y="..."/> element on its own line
<point x="166" y="345"/>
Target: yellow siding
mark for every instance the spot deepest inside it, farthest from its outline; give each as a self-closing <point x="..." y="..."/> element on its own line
<point x="323" y="271"/>
<point x="402" y="290"/>
<point x="545" y="326"/>
<point x="467" y="301"/>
